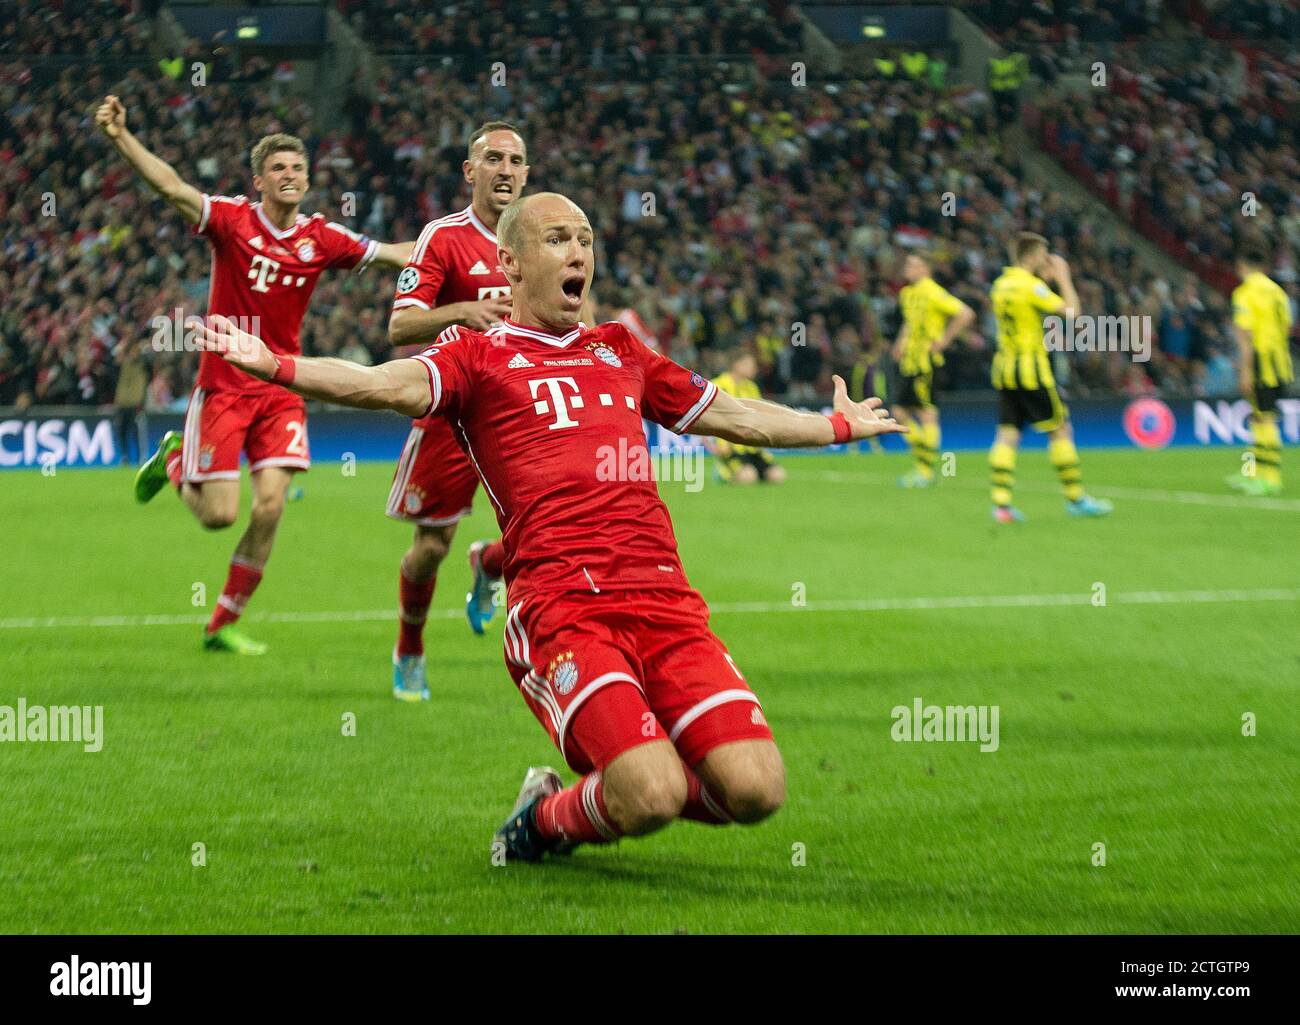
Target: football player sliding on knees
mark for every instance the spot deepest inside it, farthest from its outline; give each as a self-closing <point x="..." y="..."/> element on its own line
<point x="606" y="640"/>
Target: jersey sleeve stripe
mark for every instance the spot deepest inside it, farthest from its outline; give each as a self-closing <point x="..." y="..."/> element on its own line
<point x="399" y="303"/>
<point x="697" y="410"/>
<point x="417" y="252"/>
<point x="435" y="385"/>
<point x="372" y="247"/>
<point x="203" y="217"/>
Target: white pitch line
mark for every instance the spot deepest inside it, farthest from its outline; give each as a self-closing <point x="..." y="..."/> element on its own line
<point x="972" y="601"/>
<point x="1101" y="490"/>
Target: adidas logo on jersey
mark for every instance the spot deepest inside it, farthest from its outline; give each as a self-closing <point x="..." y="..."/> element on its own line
<point x="479" y="268"/>
<point x="518" y="362"/>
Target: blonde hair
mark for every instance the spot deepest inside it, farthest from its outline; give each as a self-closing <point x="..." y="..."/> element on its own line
<point x="269" y="144"/>
<point x="1025" y="243"/>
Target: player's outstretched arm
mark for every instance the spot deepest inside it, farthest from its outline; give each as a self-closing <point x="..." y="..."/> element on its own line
<point x="767" y="424"/>
<point x="401" y="385"/>
<point x="157" y="173"/>
<point x="393" y="254"/>
<point x="411" y="325"/>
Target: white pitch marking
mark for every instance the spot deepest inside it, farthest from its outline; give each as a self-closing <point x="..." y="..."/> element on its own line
<point x="943" y="602"/>
<point x="1101" y="490"/>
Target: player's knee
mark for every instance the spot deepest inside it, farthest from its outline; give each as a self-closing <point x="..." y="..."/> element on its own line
<point x="661" y="801"/>
<point x="218" y="517"/>
<point x="649" y="802"/>
<point x="776" y="475"/>
<point x="429" y="550"/>
<point x="756" y="798"/>
<point x="746" y="475"/>
<point x="268" y="510"/>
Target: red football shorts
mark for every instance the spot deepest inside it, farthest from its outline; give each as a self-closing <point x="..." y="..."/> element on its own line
<point x="668" y="676"/>
<point x="270" y="427"/>
<point x="435" y="481"/>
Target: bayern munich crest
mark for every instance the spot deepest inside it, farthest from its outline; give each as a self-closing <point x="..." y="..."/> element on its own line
<point x="563" y="673"/>
<point x="306" y="250"/>
<point x="606" y="355"/>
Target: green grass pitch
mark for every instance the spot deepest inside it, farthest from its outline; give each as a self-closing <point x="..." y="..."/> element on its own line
<point x="1120" y="724"/>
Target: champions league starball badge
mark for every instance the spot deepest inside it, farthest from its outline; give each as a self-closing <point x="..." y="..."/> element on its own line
<point x="408" y="279"/>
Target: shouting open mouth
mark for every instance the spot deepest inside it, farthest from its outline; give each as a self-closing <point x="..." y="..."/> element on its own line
<point x="573" y="284"/>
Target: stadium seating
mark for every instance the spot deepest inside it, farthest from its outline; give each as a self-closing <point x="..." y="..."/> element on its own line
<point x="759" y="220"/>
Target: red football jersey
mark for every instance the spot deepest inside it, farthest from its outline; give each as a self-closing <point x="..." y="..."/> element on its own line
<point x="454" y="261"/>
<point x="259" y="271"/>
<point x="553" y="425"/>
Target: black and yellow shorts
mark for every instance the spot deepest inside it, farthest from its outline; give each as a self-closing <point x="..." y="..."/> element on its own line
<point x="1264" y="398"/>
<point x="760" y="459"/>
<point x="914" y="391"/>
<point x="1041" y="407"/>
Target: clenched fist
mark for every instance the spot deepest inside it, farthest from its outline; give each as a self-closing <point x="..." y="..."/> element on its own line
<point x="111" y="117"/>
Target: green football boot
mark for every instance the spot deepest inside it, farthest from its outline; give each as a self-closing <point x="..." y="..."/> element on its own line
<point x="1257" y="487"/>
<point x="229" y="638"/>
<point x="152" y="476"/>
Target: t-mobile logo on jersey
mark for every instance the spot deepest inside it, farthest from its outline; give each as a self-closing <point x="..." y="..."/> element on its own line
<point x="263" y="271"/>
<point x="560" y="403"/>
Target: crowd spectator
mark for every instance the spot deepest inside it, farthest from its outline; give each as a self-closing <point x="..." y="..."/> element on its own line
<point x="731" y="206"/>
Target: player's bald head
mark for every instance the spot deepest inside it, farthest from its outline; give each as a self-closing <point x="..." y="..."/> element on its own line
<point x="522" y="221"/>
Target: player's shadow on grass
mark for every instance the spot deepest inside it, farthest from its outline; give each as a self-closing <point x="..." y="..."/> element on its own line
<point x="756" y="875"/>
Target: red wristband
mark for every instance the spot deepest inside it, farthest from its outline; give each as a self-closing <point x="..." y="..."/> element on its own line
<point x="285" y="368"/>
<point x="843" y="432"/>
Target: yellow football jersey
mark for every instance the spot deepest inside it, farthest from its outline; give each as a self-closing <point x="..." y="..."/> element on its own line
<point x="1020" y="301"/>
<point x="1262" y="307"/>
<point x="927" y="307"/>
<point x="740" y="390"/>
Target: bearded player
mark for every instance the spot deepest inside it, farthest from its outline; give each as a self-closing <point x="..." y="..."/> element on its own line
<point x="452" y="278"/>
<point x="607" y="642"/>
<point x="266" y="257"/>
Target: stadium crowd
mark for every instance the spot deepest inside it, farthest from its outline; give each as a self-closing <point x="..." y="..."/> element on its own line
<point x="102" y="28"/>
<point x="1189" y="153"/>
<point x="564" y="31"/>
<point x="731" y="208"/>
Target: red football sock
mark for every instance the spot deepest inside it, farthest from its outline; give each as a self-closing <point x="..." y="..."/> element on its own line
<point x="174" y="469"/>
<point x="577" y="814"/>
<point x="701" y="805"/>
<point x="491" y="558"/>
<point x="412" y="613"/>
<point x="241" y="582"/>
